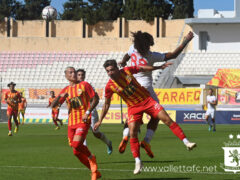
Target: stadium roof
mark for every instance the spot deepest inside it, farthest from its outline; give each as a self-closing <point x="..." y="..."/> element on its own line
<point x="212" y="21"/>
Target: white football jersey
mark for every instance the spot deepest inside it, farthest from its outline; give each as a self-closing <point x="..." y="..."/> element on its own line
<point x="211" y="99"/>
<point x="144" y="78"/>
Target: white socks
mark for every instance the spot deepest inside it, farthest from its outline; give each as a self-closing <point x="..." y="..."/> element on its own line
<point x="137" y="160"/>
<point x="149" y="135"/>
<point x="126" y="132"/>
<point x="185" y="141"/>
<point x="85" y="142"/>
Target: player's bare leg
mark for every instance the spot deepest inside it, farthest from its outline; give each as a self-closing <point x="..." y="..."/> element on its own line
<point x="60" y="121"/>
<point x="135" y="147"/>
<point x="165" y="118"/>
<point x="208" y="122"/>
<point x="151" y="128"/>
<point x="214" y="124"/>
<point x="104" y="139"/>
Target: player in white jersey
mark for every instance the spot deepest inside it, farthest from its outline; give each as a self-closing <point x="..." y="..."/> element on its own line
<point x="211" y="108"/>
<point x="140" y="55"/>
<point x="81" y="77"/>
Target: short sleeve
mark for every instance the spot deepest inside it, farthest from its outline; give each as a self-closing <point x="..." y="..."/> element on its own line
<point x="130" y="51"/>
<point x="108" y="92"/>
<point x="157" y="57"/>
<point x="89" y="90"/>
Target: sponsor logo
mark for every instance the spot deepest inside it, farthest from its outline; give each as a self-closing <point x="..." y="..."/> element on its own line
<point x="194" y="116"/>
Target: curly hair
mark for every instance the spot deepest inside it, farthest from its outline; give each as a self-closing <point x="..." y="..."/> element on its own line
<point x="142" y="42"/>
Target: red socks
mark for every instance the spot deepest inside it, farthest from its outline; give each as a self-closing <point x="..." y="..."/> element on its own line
<point x="83" y="158"/>
<point x="177" y="131"/>
<point x="55" y="122"/>
<point x="135" y="148"/>
<point x="9" y="125"/>
<point x="81" y="148"/>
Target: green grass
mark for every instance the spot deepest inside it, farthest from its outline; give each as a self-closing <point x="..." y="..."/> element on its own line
<point x="38" y="152"/>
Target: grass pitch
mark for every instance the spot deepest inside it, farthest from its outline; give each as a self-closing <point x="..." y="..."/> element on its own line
<point x="38" y="152"/>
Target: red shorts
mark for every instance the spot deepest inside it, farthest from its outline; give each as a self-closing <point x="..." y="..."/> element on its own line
<point x="149" y="106"/>
<point x="55" y="114"/>
<point x="11" y="111"/>
<point x="81" y="130"/>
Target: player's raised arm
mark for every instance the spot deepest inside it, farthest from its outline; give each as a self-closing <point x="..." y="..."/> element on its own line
<point x="124" y="61"/>
<point x="105" y="109"/>
<point x="148" y="68"/>
<point x="179" y="49"/>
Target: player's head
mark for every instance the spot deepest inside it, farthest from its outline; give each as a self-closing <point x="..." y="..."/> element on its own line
<point x="210" y="91"/>
<point x="52" y="93"/>
<point x="112" y="69"/>
<point x="81" y="74"/>
<point x="70" y="74"/>
<point x="142" y="42"/>
<point x="11" y="86"/>
<point x="21" y="93"/>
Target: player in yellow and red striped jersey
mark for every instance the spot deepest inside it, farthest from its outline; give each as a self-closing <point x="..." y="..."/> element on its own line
<point x="81" y="100"/>
<point x="139" y="101"/>
<point x="12" y="98"/>
<point x="22" y="108"/>
<point x="55" y="110"/>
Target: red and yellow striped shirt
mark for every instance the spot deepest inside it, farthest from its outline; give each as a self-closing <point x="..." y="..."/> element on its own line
<point x="78" y="101"/>
<point x="56" y="108"/>
<point x="21" y="105"/>
<point x="14" y="98"/>
<point x="127" y="87"/>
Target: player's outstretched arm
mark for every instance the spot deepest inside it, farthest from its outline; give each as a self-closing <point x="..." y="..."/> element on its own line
<point x="56" y="100"/>
<point x="179" y="49"/>
<point x="93" y="103"/>
<point x="124" y="61"/>
<point x="105" y="109"/>
<point x="152" y="68"/>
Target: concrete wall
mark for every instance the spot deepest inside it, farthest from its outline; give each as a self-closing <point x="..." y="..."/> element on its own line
<point x="222" y="37"/>
<point x="104" y="36"/>
<point x="79" y="44"/>
<point x="66" y="29"/>
<point x="34" y="28"/>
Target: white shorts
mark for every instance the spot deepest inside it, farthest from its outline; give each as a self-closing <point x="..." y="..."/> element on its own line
<point x="152" y="93"/>
<point x="210" y="113"/>
<point x="94" y="119"/>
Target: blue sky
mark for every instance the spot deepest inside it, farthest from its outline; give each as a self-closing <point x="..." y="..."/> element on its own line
<point x="222" y="5"/>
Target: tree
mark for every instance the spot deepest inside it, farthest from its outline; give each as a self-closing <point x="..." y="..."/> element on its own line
<point x="7" y="8"/>
<point x="32" y="9"/>
<point x="147" y="9"/>
<point x="74" y="10"/>
<point x="92" y="11"/>
<point x="182" y="9"/>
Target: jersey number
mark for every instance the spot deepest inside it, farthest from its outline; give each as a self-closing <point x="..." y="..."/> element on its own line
<point x="135" y="61"/>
